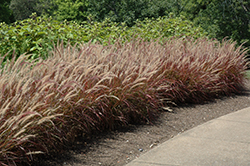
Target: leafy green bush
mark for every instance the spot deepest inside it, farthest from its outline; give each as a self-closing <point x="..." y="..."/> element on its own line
<point x="37" y="35"/>
<point x="70" y="10"/>
<point x="124" y="10"/>
<point x="166" y="27"/>
<point x="99" y="87"/>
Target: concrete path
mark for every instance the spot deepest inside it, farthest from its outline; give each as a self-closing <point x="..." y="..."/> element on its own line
<point x="220" y="142"/>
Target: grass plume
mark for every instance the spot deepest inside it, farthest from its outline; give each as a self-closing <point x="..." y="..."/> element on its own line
<point x="79" y="89"/>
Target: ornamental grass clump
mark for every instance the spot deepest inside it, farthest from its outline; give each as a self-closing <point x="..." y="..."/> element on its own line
<point x="196" y="71"/>
<point x="86" y="88"/>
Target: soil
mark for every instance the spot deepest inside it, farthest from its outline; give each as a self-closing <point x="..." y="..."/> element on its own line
<point x="121" y="146"/>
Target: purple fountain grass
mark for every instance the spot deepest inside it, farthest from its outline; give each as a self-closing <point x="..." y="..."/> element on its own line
<point x="83" y="88"/>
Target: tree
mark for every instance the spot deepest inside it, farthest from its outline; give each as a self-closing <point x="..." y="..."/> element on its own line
<point x="6" y="14"/>
<point x="127" y="10"/>
<point x="233" y="20"/>
<point x="71" y="10"/>
<point x="220" y="18"/>
<point x="46" y="7"/>
<point x="22" y="9"/>
<point x="116" y="10"/>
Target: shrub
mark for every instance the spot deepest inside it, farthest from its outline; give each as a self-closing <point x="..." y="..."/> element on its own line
<point x="36" y="36"/>
<point x="166" y="27"/>
<point x="49" y="102"/>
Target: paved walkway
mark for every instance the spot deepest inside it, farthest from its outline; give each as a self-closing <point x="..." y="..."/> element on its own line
<point x="220" y="142"/>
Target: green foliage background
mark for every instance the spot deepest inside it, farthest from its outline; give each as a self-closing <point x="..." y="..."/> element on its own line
<point x="22" y="9"/>
<point x="6" y="15"/>
<point x="70" y="10"/>
<point x="219" y="18"/>
<point x="37" y="35"/>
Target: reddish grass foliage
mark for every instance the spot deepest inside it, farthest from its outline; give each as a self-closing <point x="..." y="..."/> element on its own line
<point x="80" y="89"/>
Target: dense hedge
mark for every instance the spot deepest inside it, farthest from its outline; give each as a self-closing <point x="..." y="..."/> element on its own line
<point x="37" y="35"/>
